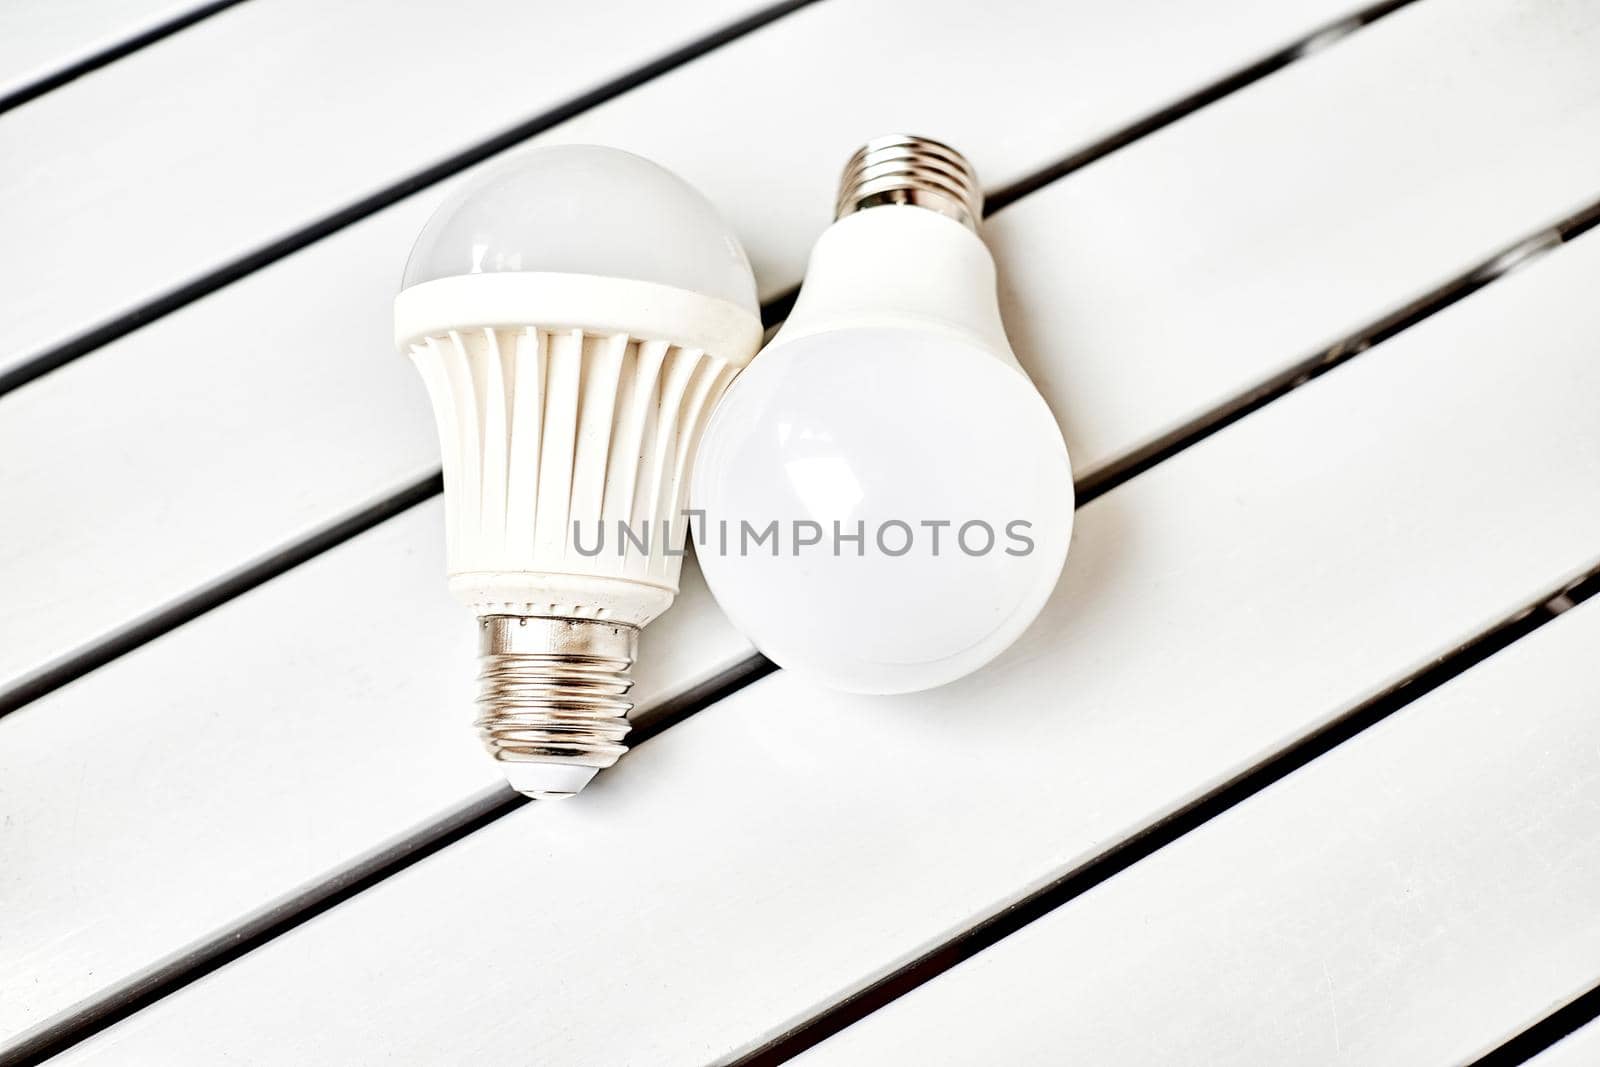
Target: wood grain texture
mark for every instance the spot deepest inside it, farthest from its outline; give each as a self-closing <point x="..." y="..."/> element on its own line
<point x="262" y="384"/>
<point x="1418" y="895"/>
<point x="787" y="845"/>
<point x="250" y="126"/>
<point x="41" y="38"/>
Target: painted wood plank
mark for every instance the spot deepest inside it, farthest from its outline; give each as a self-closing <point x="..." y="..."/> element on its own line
<point x="279" y="448"/>
<point x="1236" y="245"/>
<point x="266" y="406"/>
<point x="785" y="846"/>
<point x="137" y="847"/>
<point x="1418" y="895"/>
<point x="262" y="408"/>
<point x="236" y="450"/>
<point x="39" y="40"/>
<point x="252" y="125"/>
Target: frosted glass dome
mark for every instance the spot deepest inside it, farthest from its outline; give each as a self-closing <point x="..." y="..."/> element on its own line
<point x="584" y="209"/>
<point x="943" y="466"/>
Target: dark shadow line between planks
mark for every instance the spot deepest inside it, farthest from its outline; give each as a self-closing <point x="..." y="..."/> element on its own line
<point x="228" y="944"/>
<point x="107" y="56"/>
<point x="128" y="997"/>
<point x="216" y="594"/>
<point x="1305" y="46"/>
<point x="773" y="311"/>
<point x="1165" y="831"/>
<point x="109" y="647"/>
<point x="138" y="992"/>
<point x="777" y="309"/>
<point x="1458" y="288"/>
<point x="220" y="277"/>
<point x="1565" y="1020"/>
<point x="1576" y="1013"/>
<point x="856" y="1006"/>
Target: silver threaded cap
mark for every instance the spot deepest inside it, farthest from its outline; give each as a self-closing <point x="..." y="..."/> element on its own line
<point x="902" y="169"/>
<point x="552" y="698"/>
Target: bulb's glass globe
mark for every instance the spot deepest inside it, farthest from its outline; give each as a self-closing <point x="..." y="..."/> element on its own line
<point x="584" y="209"/>
<point x="945" y="461"/>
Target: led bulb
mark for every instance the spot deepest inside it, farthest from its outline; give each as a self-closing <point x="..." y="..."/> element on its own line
<point x="575" y="314"/>
<point x="887" y="498"/>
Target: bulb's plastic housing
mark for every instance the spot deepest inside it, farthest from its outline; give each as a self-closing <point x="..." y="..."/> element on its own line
<point x="891" y="405"/>
<point x="574" y="313"/>
<point x="584" y="209"/>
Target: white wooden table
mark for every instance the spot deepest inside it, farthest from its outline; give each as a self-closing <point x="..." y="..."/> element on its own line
<point x="1300" y="766"/>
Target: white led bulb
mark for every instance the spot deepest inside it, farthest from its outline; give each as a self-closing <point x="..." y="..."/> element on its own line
<point x="575" y="313"/>
<point x="920" y="485"/>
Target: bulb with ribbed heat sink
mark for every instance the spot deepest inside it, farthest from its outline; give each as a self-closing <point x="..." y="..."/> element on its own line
<point x="575" y="314"/>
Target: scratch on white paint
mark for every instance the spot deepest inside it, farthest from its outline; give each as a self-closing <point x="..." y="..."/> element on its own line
<point x="1333" y="1007"/>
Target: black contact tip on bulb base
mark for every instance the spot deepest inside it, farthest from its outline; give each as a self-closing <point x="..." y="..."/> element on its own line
<point x="905" y="169"/>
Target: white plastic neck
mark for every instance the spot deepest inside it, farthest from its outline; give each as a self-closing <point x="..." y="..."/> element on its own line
<point x="900" y="265"/>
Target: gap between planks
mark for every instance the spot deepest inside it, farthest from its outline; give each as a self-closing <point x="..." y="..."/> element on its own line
<point x="107" y="56"/>
<point x="1105" y="866"/>
<point x="232" y="271"/>
<point x="199" y="959"/>
<point x="1089" y="488"/>
<point x="1561" y="1023"/>
<point x="773" y="311"/>
<point x="484" y="808"/>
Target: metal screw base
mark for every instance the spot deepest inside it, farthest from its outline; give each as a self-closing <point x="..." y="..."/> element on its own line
<point x="902" y="169"/>
<point x="551" y="694"/>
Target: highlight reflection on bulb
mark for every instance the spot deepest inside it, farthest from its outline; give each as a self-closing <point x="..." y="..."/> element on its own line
<point x="920" y="485"/>
<point x="575" y="313"/>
